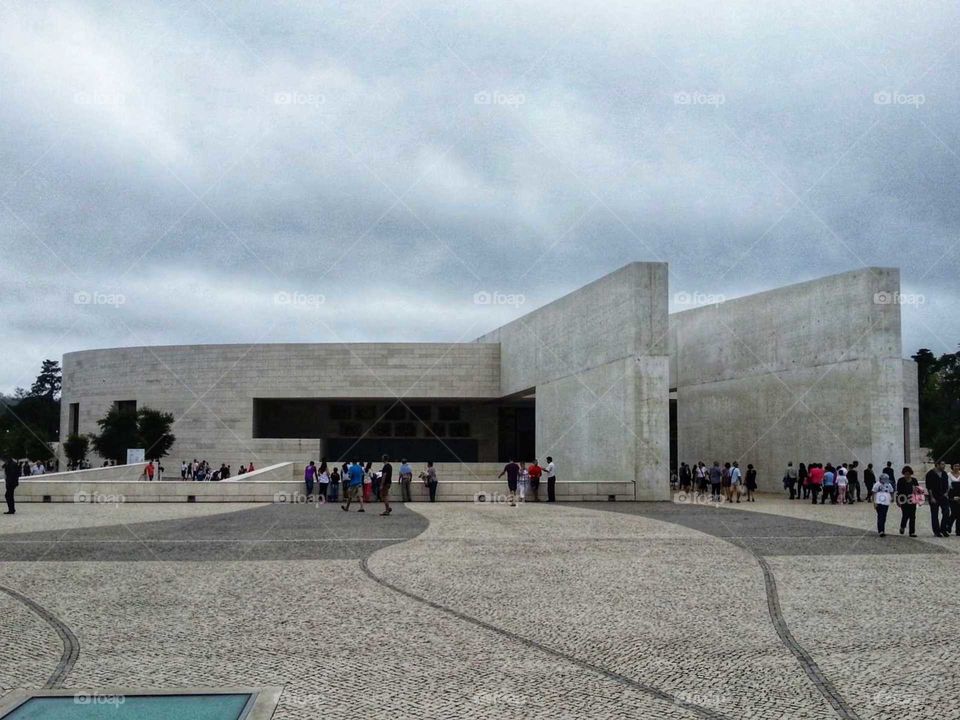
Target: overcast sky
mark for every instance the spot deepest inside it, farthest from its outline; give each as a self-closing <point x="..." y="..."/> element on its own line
<point x="230" y="172"/>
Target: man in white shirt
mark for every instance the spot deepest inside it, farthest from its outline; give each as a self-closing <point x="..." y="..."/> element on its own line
<point x="550" y="470"/>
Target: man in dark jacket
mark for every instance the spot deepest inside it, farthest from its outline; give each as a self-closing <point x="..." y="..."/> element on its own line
<point x="937" y="487"/>
<point x="11" y="476"/>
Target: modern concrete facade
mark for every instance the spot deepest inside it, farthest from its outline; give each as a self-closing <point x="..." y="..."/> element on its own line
<point x="809" y="372"/>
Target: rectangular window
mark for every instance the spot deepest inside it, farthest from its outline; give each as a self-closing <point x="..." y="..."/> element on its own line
<point x="126" y="406"/>
<point x="73" y="419"/>
<point x="448" y="413"/>
<point x="906" y="436"/>
<point x="405" y="429"/>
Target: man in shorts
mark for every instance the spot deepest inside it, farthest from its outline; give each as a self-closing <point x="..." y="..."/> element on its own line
<point x="352" y="485"/>
<point x="386" y="479"/>
<point x="512" y="471"/>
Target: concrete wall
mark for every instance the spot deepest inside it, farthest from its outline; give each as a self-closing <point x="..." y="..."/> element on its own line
<point x="809" y="372"/>
<point x="597" y="359"/>
<point x="210" y="388"/>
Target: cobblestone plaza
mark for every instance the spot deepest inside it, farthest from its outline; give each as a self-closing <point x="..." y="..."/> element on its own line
<point x="652" y="610"/>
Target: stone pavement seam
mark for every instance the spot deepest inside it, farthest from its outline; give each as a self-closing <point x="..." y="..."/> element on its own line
<point x="616" y="677"/>
<point x="810" y="667"/>
<point x="71" y="645"/>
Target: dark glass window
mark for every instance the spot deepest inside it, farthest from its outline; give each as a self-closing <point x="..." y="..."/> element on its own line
<point x="459" y="429"/>
<point x="383" y="429"/>
<point x="405" y="429"/>
<point x="339" y="411"/>
<point x="351" y="429"/>
<point x="396" y="412"/>
<point x="438" y="429"/>
<point x="365" y="412"/>
<point x="448" y="413"/>
<point x="422" y="412"/>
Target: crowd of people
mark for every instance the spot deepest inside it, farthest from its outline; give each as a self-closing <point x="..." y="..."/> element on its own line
<point x="840" y="485"/>
<point x="201" y="470"/>
<point x="359" y="483"/>
<point x="726" y="483"/>
<point x="523" y="479"/>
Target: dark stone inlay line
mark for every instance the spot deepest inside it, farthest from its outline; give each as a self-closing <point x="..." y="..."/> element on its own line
<point x="694" y="518"/>
<point x="71" y="646"/>
<point x="810" y="667"/>
<point x="609" y="674"/>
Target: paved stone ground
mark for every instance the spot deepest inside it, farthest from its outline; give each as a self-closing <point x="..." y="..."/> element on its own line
<point x="463" y="610"/>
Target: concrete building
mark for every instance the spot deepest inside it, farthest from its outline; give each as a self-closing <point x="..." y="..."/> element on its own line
<point x="808" y="372"/>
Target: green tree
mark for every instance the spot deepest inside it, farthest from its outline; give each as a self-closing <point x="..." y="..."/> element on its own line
<point x="49" y="381"/>
<point x="939" y="381"/>
<point x="75" y="448"/>
<point x="118" y="432"/>
<point x="153" y="429"/>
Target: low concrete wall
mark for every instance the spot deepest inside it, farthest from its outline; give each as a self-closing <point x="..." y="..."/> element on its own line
<point x="94" y="486"/>
<point x="130" y="472"/>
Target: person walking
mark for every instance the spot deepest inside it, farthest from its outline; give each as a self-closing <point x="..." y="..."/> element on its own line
<point x="535" y="471"/>
<point x="909" y="495"/>
<point x="869" y="480"/>
<point x="751" y="483"/>
<point x="150" y="471"/>
<point x="512" y="471"/>
<point x="309" y="475"/>
<point x="790" y="480"/>
<point x="430" y="478"/>
<point x="882" y="496"/>
<point x="523" y="482"/>
<point x="803" y="478"/>
<point x="829" y="485"/>
<point x="842" y="483"/>
<point x="386" y="480"/>
<point x="323" y="481"/>
<point x="815" y="480"/>
<point x="735" y="478"/>
<point x="700" y="479"/>
<point x="716" y="481"/>
<point x="11" y="479"/>
<point x="406" y="476"/>
<point x="353" y="486"/>
<point x="888" y="471"/>
<point x="937" y="488"/>
<point x="367" y="483"/>
<point x="334" y="490"/>
<point x="551" y="472"/>
<point x="686" y="478"/>
<point x="953" y="475"/>
<point x="853" y="480"/>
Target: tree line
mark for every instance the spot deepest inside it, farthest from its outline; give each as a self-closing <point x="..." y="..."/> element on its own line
<point x="30" y="423"/>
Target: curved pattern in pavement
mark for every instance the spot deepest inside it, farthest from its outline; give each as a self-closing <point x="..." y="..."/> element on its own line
<point x="774" y="535"/>
<point x="71" y="646"/>
<point x="616" y="677"/>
